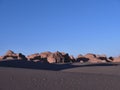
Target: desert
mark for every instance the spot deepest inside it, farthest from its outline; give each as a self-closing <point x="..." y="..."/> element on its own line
<point x="17" y="72"/>
<point x="59" y="44"/>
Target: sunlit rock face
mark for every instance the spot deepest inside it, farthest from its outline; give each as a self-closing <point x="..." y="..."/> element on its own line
<point x="10" y="55"/>
<point x="93" y="58"/>
<point x="116" y="59"/>
<point x="80" y="58"/>
<point x="45" y="54"/>
<point x="56" y="57"/>
<point x="59" y="57"/>
<point x="1" y="57"/>
<point x="72" y="58"/>
<point x="102" y="58"/>
<point x="34" y="57"/>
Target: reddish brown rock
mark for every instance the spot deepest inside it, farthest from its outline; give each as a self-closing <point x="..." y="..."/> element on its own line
<point x="20" y="56"/>
<point x="9" y="52"/>
<point x="116" y="59"/>
<point x="80" y="58"/>
<point x="103" y="58"/>
<point x="56" y="57"/>
<point x="111" y="58"/>
<point x="66" y="57"/>
<point x="1" y="57"/>
<point x="35" y="56"/>
<point x="59" y="57"/>
<point x="72" y="59"/>
<point x="94" y="59"/>
<point x="90" y="56"/>
<point x="10" y="55"/>
<point x="51" y="59"/>
<point x="45" y="54"/>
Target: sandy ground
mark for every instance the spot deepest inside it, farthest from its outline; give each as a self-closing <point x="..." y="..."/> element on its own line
<point x="96" y="77"/>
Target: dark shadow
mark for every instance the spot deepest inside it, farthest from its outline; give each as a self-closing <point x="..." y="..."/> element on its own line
<point x="83" y="59"/>
<point x="100" y="64"/>
<point x="46" y="66"/>
<point x="34" y="65"/>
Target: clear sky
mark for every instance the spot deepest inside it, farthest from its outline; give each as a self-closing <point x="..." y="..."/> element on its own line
<point x="72" y="26"/>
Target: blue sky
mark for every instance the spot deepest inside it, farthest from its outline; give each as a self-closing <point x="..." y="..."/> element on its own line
<point x="73" y="26"/>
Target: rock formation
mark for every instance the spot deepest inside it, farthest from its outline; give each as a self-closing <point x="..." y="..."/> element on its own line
<point x="103" y="58"/>
<point x="93" y="58"/>
<point x="10" y="55"/>
<point x="72" y="59"/>
<point x="37" y="58"/>
<point x="56" y="57"/>
<point x="80" y="58"/>
<point x="1" y="57"/>
<point x="116" y="59"/>
<point x="59" y="57"/>
<point x="45" y="54"/>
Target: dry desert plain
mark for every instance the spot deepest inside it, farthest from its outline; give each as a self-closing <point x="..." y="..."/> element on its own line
<point x="76" y="76"/>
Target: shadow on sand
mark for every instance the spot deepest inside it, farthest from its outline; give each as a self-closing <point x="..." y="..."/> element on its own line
<point x="47" y="66"/>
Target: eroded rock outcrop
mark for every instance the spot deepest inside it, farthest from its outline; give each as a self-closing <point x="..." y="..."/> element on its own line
<point x="1" y="57"/>
<point x="59" y="57"/>
<point x="80" y="58"/>
<point x="103" y="58"/>
<point x="51" y="57"/>
<point x="92" y="58"/>
<point x="37" y="58"/>
<point x="72" y="58"/>
<point x="45" y="54"/>
<point x="116" y="59"/>
<point x="10" y="55"/>
<point x="34" y="56"/>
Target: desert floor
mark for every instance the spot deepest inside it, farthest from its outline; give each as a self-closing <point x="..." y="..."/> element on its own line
<point x="82" y="77"/>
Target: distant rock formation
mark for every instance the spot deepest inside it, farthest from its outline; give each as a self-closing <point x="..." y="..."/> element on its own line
<point x="72" y="58"/>
<point x="116" y="59"/>
<point x="59" y="57"/>
<point x="10" y="55"/>
<point x="82" y="59"/>
<point x="56" y="57"/>
<point x="1" y="58"/>
<point x="37" y="58"/>
<point x="92" y="58"/>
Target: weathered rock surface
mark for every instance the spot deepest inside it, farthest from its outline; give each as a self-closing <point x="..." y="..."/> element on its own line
<point x="92" y="58"/>
<point x="59" y="57"/>
<point x="56" y="57"/>
<point x="10" y="55"/>
<point x="116" y="59"/>
<point x="80" y="58"/>
<point x="45" y="54"/>
<point x="72" y="58"/>
<point x="1" y="57"/>
<point x="34" y="57"/>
